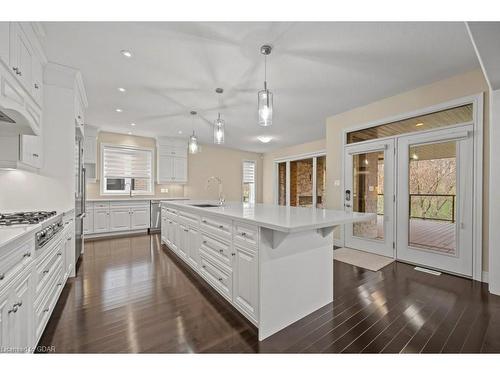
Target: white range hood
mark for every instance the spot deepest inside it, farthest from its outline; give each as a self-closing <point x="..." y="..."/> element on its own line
<point x="13" y="122"/>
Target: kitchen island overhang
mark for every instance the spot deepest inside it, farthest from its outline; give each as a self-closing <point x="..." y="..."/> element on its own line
<point x="274" y="264"/>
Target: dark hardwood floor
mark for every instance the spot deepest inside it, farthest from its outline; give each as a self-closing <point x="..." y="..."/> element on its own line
<point x="133" y="295"/>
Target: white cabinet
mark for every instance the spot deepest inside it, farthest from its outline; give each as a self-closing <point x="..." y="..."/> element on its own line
<point x="4" y="43"/>
<point x="139" y="218"/>
<point x="101" y="220"/>
<point x="119" y="219"/>
<point x="88" y="222"/>
<point x="21" y="56"/>
<point x="245" y="283"/>
<point x="31" y="150"/>
<point x="194" y="243"/>
<point x="172" y="161"/>
<point x="5" y="307"/>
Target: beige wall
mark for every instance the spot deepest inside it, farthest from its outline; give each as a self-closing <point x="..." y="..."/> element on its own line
<point x="438" y="92"/>
<point x="268" y="164"/>
<point x="223" y="162"/>
<point x="212" y="161"/>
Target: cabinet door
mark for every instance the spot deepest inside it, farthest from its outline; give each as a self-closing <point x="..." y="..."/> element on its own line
<point x="31" y="150"/>
<point x="183" y="243"/>
<point x="70" y="253"/>
<point x="165" y="169"/>
<point x="245" y="284"/>
<point x="19" y="320"/>
<point x="172" y="234"/>
<point x="180" y="169"/>
<point x="194" y="247"/>
<point x="22" y="59"/>
<point x="119" y="219"/>
<point x="4" y="44"/>
<point x="5" y="306"/>
<point x="163" y="229"/>
<point x="88" y="222"/>
<point x="140" y="218"/>
<point x="37" y="80"/>
<point x="101" y="220"/>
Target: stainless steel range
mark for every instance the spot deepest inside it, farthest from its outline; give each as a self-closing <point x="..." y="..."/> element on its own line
<point x="51" y="222"/>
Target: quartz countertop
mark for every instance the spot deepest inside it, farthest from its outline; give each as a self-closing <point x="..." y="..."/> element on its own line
<point x="280" y="218"/>
<point x="136" y="198"/>
<point x="9" y="234"/>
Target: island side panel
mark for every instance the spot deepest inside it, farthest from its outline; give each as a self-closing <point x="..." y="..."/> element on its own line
<point x="295" y="276"/>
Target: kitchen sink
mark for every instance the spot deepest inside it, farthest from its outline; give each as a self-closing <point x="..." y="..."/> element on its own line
<point x="205" y="205"/>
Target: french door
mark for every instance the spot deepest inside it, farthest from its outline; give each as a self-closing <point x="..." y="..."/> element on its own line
<point x="435" y="198"/>
<point x="369" y="188"/>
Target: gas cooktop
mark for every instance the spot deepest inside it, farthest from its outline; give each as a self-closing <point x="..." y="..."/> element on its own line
<point x="33" y="217"/>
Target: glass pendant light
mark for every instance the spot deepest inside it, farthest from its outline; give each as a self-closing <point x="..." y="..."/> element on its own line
<point x="193" y="139"/>
<point x="219" y="131"/>
<point x="219" y="123"/>
<point x="265" y="97"/>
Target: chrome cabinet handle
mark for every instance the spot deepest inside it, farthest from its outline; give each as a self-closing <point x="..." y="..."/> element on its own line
<point x="45" y="272"/>
<point x="221" y="251"/>
<point x="13" y="310"/>
<point x="204" y="221"/>
<point x="204" y="242"/>
<point x="203" y="266"/>
<point x="243" y="234"/>
<point x="35" y="155"/>
<point x="46" y="310"/>
<point x="18" y="304"/>
<point x="2" y="276"/>
<point x="59" y="284"/>
<point x="233" y="254"/>
<point x="36" y="86"/>
<point x="26" y="255"/>
<point x="221" y="226"/>
<point x="15" y="69"/>
<point x="59" y="254"/>
<point x="220" y="278"/>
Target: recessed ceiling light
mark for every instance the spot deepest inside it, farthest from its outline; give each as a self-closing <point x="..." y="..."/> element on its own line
<point x="129" y="133"/>
<point x="264" y="139"/>
<point x="419" y="124"/>
<point x="122" y="89"/>
<point x="126" y="53"/>
<point x="119" y="110"/>
<point x="132" y="124"/>
<point x="180" y="131"/>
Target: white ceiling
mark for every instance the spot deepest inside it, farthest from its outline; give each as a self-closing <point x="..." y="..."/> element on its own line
<point x="315" y="70"/>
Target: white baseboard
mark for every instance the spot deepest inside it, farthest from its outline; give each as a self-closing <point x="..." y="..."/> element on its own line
<point x="338" y="242"/>
<point x="91" y="236"/>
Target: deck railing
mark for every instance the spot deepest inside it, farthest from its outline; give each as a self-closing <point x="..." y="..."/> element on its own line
<point x="451" y="197"/>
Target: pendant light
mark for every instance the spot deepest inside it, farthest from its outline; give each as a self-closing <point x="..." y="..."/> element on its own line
<point x="265" y="97"/>
<point x="219" y="124"/>
<point x="193" y="139"/>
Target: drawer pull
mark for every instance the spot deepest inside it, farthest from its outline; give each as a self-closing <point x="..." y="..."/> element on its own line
<point x="204" y="242"/>
<point x="26" y="255"/>
<point x="59" y="284"/>
<point x="243" y="234"/>
<point x="2" y="276"/>
<point x="203" y="266"/>
<point x="221" y="226"/>
<point x="18" y="304"/>
<point x="45" y="272"/>
<point x="221" y="251"/>
<point x="233" y="254"/>
<point x="46" y="310"/>
<point x="59" y="254"/>
<point x="220" y="278"/>
<point x="169" y="222"/>
<point x="185" y="230"/>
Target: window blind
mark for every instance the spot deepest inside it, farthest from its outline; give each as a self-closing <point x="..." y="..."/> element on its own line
<point x="123" y="162"/>
<point x="248" y="172"/>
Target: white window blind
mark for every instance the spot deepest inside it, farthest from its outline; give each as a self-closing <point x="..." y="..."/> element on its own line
<point x="123" y="162"/>
<point x="248" y="172"/>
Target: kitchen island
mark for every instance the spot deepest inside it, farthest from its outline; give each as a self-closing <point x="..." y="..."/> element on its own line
<point x="273" y="263"/>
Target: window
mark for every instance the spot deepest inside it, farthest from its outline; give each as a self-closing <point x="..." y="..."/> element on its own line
<point x="126" y="170"/>
<point x="249" y="182"/>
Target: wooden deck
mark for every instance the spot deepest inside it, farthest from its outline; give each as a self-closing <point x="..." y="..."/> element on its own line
<point x="429" y="234"/>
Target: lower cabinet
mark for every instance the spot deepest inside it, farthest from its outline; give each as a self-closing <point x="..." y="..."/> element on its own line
<point x="88" y="222"/>
<point x="140" y="218"/>
<point x="119" y="219"/>
<point x="101" y="220"/>
<point x="230" y="268"/>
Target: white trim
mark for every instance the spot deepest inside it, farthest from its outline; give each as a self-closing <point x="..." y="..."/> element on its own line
<point x="254" y="177"/>
<point x="306" y="155"/>
<point x="314" y="181"/>
<point x="478" y="105"/>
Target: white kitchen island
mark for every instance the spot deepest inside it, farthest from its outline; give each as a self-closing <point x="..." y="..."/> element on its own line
<point x="273" y="263"/>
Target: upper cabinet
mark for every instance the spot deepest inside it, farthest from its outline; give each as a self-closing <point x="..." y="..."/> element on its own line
<point x="90" y="153"/>
<point x="21" y="78"/>
<point x="172" y="160"/>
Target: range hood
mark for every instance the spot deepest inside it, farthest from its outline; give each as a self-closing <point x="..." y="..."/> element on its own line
<point x="13" y="122"/>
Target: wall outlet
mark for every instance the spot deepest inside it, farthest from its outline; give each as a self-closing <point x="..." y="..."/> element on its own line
<point x="164" y="190"/>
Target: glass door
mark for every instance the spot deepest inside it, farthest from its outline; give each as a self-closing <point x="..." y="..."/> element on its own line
<point x="369" y="188"/>
<point x="435" y="187"/>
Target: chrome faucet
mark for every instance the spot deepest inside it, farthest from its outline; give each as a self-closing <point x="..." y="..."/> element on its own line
<point x="222" y="200"/>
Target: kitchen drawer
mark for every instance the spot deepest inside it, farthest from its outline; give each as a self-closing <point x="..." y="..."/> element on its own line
<point x="215" y="275"/>
<point x="220" y="250"/>
<point x="189" y="218"/>
<point x="246" y="235"/>
<point x="171" y="211"/>
<point x="217" y="226"/>
<point x="101" y="204"/>
<point x="46" y="268"/>
<point x="47" y="301"/>
<point x="15" y="256"/>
